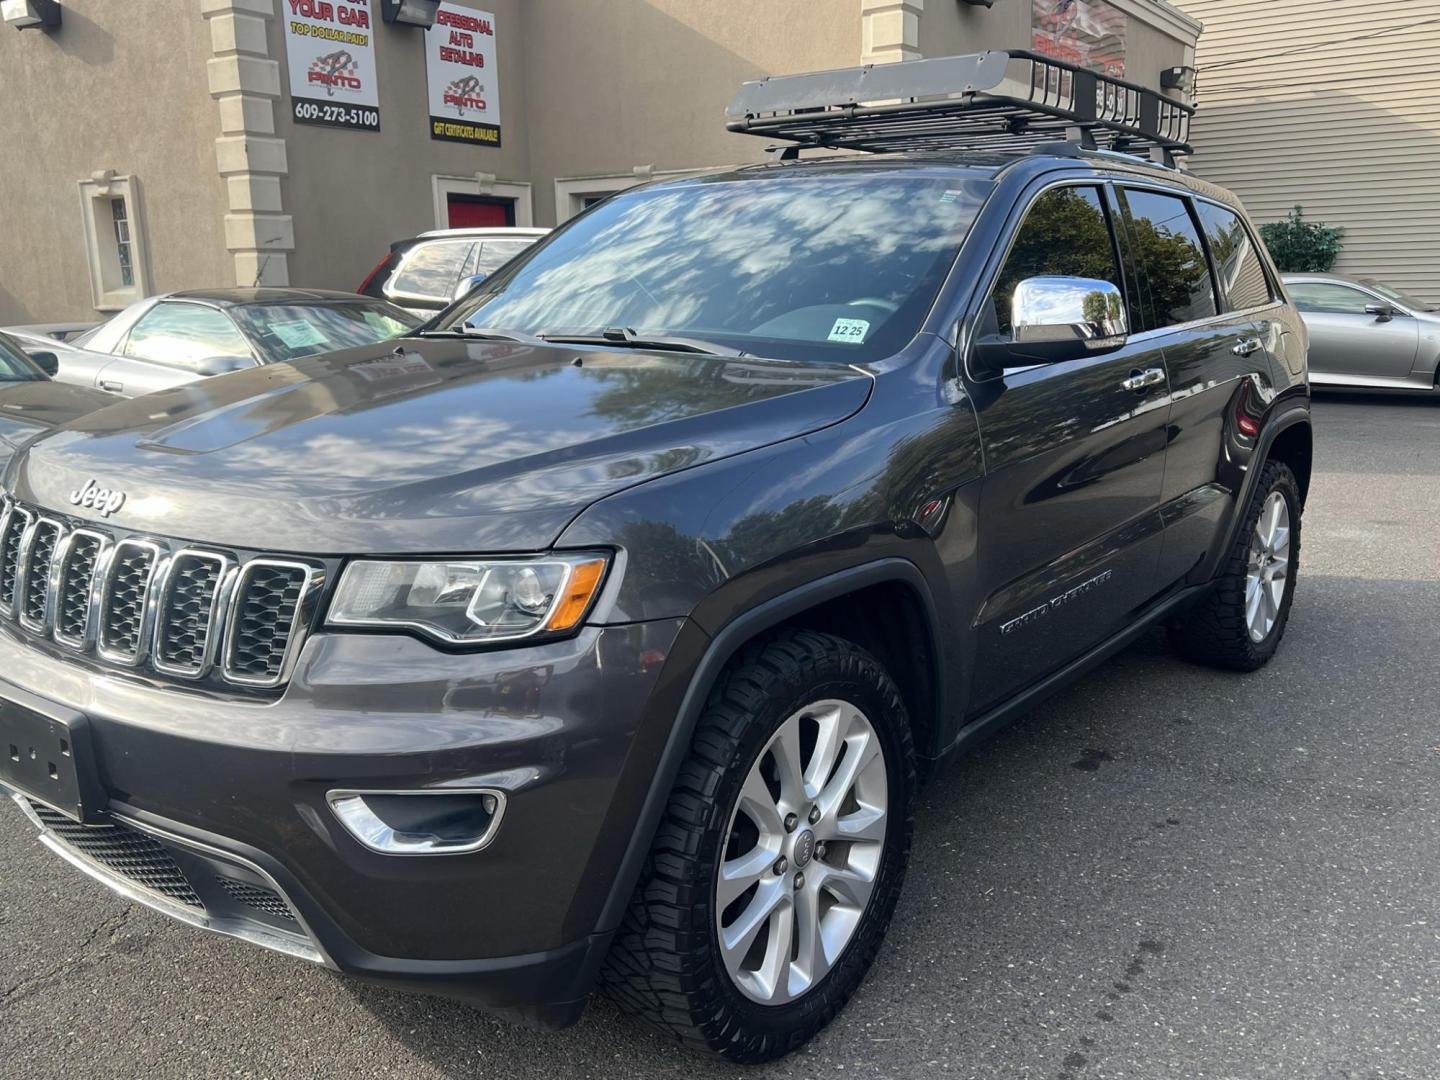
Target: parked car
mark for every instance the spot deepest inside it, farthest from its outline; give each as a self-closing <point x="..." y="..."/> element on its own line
<point x="426" y="273"/>
<point x="1365" y="335"/>
<point x="54" y="331"/>
<point x="177" y="338"/>
<point x="603" y="628"/>
<point x="31" y="403"/>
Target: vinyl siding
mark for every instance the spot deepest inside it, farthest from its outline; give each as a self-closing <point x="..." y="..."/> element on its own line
<point x="1344" y="125"/>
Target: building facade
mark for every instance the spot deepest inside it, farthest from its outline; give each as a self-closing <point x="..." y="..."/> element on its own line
<point x="189" y="143"/>
<point x="1334" y="107"/>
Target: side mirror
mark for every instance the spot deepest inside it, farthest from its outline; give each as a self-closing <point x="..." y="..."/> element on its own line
<point x="222" y="365"/>
<point x="1382" y="312"/>
<point x="47" y="362"/>
<point x="1054" y="319"/>
<point x="465" y="284"/>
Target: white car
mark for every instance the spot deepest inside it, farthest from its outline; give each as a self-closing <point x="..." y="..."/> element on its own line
<point x="426" y="273"/>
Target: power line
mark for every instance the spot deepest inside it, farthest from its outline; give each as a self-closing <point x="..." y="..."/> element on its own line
<point x="1320" y="45"/>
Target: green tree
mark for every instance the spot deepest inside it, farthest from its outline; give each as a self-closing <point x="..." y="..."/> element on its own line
<point x="1302" y="247"/>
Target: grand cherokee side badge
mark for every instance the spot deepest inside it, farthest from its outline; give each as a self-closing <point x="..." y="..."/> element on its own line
<point x="93" y="496"/>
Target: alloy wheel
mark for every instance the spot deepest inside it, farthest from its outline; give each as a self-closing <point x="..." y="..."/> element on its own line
<point x="803" y="849"/>
<point x="1268" y="566"/>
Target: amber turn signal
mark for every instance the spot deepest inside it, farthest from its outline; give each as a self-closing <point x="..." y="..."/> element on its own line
<point x="579" y="591"/>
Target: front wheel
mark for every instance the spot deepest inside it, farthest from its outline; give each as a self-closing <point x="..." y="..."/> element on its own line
<point x="1240" y="624"/>
<point x="778" y="864"/>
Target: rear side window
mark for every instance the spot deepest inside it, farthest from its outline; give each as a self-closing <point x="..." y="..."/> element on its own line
<point x="1066" y="234"/>
<point x="1325" y="296"/>
<point x="181" y="335"/>
<point x="430" y="271"/>
<point x="1237" y="264"/>
<point x="1170" y="257"/>
<point x="496" y="253"/>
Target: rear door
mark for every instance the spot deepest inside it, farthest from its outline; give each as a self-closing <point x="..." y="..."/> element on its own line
<point x="1345" y="341"/>
<point x="1216" y="321"/>
<point x="1070" y="531"/>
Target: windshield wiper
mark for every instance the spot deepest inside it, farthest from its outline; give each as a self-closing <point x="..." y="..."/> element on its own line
<point x="624" y="337"/>
<point x="483" y="333"/>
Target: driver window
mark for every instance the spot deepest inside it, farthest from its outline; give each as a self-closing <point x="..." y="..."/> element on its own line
<point x="1065" y="234"/>
<point x="182" y="335"/>
<point x="1322" y="296"/>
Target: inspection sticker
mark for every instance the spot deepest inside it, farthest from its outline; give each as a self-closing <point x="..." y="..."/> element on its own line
<point x="851" y="331"/>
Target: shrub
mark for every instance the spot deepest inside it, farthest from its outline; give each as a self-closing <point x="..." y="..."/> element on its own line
<point x="1302" y="247"/>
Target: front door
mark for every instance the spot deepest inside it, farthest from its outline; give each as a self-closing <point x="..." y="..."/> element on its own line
<point x="1346" y="341"/>
<point x="1070" y="529"/>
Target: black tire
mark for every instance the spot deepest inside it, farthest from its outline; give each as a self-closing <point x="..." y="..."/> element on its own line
<point x="1215" y="631"/>
<point x="664" y="965"/>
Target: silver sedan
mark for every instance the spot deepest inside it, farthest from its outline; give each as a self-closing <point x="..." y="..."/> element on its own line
<point x="1367" y="335"/>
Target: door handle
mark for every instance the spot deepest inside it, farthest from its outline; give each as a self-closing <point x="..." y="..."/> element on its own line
<point x="111" y="385"/>
<point x="1246" y="346"/>
<point x="1139" y="380"/>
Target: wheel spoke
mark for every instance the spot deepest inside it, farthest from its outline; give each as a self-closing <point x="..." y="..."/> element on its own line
<point x="863" y="826"/>
<point x="738" y="874"/>
<point x="834" y="725"/>
<point x="861" y="748"/>
<point x="847" y="886"/>
<point x="1280" y="544"/>
<point x="758" y="805"/>
<point x="1254" y="602"/>
<point x="773" y="975"/>
<point x="737" y="938"/>
<point x="1276" y="589"/>
<point x="789" y="769"/>
<point x="811" y="962"/>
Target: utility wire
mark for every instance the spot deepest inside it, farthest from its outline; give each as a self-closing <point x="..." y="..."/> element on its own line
<point x="1320" y="45"/>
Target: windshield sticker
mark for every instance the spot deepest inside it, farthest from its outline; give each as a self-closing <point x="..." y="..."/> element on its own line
<point x="850" y="331"/>
<point x="951" y="196"/>
<point x="297" y="333"/>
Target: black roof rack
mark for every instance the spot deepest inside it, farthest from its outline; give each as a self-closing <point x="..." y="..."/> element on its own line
<point x="992" y="101"/>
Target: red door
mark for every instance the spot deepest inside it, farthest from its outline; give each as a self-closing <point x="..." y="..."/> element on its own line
<point x="478" y="211"/>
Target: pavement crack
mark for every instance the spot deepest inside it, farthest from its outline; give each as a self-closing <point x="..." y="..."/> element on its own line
<point x="111" y="925"/>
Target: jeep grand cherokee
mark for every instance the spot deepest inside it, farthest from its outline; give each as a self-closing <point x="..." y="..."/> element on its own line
<point x="602" y="632"/>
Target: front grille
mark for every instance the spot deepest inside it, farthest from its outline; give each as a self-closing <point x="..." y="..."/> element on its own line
<point x="128" y="853"/>
<point x="263" y="900"/>
<point x="137" y="601"/>
<point x="43" y="539"/>
<point x="264" y="620"/>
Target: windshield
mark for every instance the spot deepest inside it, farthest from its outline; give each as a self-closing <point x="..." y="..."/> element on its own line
<point x="290" y="331"/>
<point x="840" y="266"/>
<point x="15" y="366"/>
<point x="1412" y="302"/>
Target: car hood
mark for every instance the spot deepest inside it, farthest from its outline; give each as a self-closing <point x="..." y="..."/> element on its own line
<point x="434" y="445"/>
<point x="31" y="409"/>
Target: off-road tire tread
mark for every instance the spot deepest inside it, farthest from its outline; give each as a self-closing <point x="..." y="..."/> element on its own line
<point x="1215" y="632"/>
<point x="659" y="967"/>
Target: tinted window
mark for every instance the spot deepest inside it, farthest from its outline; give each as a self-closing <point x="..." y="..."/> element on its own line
<point x="1065" y="233"/>
<point x="1325" y="296"/>
<point x="181" y="335"/>
<point x="1412" y="302"/>
<point x="14" y="364"/>
<point x="1167" y="249"/>
<point x="431" y="270"/>
<point x="289" y="331"/>
<point x="1237" y="263"/>
<point x="834" y="263"/>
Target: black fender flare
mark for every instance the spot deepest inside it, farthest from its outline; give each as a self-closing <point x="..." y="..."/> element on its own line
<point x="721" y="648"/>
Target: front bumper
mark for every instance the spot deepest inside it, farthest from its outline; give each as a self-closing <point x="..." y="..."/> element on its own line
<point x="233" y="791"/>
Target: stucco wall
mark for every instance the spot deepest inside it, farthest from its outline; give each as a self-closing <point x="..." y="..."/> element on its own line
<point x="69" y="107"/>
<point x="353" y="192"/>
<point x="645" y="82"/>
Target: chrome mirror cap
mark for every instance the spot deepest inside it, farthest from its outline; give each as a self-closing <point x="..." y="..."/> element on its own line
<point x="1080" y="309"/>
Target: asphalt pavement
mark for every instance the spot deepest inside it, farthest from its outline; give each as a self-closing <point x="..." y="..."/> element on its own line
<point x="1163" y="872"/>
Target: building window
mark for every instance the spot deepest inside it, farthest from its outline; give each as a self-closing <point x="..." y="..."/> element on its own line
<point x="114" y="240"/>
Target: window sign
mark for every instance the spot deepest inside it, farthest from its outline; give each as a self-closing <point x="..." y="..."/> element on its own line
<point x="462" y="77"/>
<point x="330" y="46"/>
<point x="1087" y="33"/>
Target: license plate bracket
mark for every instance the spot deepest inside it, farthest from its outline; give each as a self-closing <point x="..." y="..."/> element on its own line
<point x="45" y="753"/>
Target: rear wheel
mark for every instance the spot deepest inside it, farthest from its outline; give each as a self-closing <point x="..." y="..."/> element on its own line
<point x="779" y="861"/>
<point x="1241" y="623"/>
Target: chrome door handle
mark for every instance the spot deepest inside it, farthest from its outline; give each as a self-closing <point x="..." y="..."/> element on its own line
<point x="111" y="385"/>
<point x="1139" y="380"/>
<point x="1246" y="346"/>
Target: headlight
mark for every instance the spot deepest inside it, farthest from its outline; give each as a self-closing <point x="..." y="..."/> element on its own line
<point x="470" y="601"/>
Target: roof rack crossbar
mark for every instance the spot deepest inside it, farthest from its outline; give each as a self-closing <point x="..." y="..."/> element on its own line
<point x="1002" y="100"/>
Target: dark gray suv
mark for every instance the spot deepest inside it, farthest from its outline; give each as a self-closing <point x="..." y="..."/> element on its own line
<point x="603" y="632"/>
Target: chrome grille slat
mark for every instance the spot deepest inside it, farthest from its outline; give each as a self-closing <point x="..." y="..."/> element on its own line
<point x="33" y="586"/>
<point x="135" y="602"/>
<point x="73" y="583"/>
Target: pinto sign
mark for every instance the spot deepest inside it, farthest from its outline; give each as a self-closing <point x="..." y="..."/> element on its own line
<point x="462" y="77"/>
<point x="330" y="47"/>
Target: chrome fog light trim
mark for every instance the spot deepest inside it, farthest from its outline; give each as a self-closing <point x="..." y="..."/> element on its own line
<point x="353" y="812"/>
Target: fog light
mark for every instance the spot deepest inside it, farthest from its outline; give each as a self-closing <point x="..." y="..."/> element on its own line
<point x="438" y="821"/>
